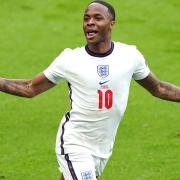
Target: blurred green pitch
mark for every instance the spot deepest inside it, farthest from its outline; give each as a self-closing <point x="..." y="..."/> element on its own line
<point x="33" y="33"/>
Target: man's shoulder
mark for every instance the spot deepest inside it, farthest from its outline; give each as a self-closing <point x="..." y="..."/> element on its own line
<point x="126" y="49"/>
<point x="124" y="45"/>
<point x="73" y="51"/>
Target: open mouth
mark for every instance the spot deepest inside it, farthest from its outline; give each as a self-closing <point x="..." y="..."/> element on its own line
<point x="91" y="34"/>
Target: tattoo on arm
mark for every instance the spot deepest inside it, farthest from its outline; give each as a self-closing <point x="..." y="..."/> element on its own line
<point x="169" y="92"/>
<point x="161" y="89"/>
<point x="26" y="88"/>
<point x="15" y="87"/>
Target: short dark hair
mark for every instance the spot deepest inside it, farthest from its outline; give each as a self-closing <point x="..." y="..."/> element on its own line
<point x="109" y="6"/>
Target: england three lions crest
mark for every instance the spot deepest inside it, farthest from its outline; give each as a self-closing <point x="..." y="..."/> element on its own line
<point x="103" y="70"/>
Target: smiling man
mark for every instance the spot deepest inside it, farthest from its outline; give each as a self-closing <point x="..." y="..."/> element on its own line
<point x="98" y="75"/>
<point x="98" y="24"/>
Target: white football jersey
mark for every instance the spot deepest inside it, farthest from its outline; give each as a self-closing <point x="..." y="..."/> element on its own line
<point x="98" y="89"/>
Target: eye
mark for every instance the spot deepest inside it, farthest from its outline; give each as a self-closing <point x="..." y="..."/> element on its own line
<point x="86" y="18"/>
<point x="98" y="18"/>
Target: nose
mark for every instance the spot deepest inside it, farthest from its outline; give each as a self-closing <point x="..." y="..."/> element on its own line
<point x="90" y="22"/>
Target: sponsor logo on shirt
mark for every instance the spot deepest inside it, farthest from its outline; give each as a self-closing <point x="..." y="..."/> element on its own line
<point x="103" y="82"/>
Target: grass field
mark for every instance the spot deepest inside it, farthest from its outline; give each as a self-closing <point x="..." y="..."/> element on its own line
<point x="33" y="33"/>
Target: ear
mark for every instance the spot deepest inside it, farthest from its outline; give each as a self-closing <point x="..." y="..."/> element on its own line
<point x="112" y="24"/>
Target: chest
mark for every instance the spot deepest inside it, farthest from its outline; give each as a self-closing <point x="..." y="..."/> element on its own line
<point x="102" y="73"/>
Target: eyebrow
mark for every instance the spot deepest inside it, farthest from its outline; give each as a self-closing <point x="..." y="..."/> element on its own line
<point x="96" y="14"/>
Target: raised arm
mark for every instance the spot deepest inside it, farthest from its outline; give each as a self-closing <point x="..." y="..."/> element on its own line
<point x="26" y="88"/>
<point x="160" y="89"/>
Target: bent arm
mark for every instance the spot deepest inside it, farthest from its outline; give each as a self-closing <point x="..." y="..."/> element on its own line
<point x="160" y="89"/>
<point x="26" y="88"/>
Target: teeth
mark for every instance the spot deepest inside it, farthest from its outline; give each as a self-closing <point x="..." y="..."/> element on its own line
<point x="91" y="34"/>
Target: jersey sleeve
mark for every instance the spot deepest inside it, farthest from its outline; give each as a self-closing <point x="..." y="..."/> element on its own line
<point x="56" y="71"/>
<point x="141" y="70"/>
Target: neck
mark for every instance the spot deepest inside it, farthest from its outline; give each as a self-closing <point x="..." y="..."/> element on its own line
<point x="100" y="53"/>
<point x="100" y="48"/>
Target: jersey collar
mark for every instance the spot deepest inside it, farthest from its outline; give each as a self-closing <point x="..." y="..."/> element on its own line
<point x="100" y="54"/>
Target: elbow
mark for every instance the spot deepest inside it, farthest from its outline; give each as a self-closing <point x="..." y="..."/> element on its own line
<point x="30" y="95"/>
<point x="155" y="94"/>
<point x="157" y="91"/>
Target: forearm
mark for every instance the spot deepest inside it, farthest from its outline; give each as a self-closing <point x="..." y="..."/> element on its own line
<point x="167" y="91"/>
<point x="161" y="89"/>
<point x="26" y="88"/>
<point x="16" y="87"/>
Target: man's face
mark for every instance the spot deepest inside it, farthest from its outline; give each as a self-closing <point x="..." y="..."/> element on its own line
<point x="97" y="23"/>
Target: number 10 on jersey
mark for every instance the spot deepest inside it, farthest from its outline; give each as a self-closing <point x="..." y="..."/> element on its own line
<point x="105" y="99"/>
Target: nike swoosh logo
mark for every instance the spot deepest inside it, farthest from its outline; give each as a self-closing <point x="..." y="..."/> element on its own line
<point x="101" y="83"/>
